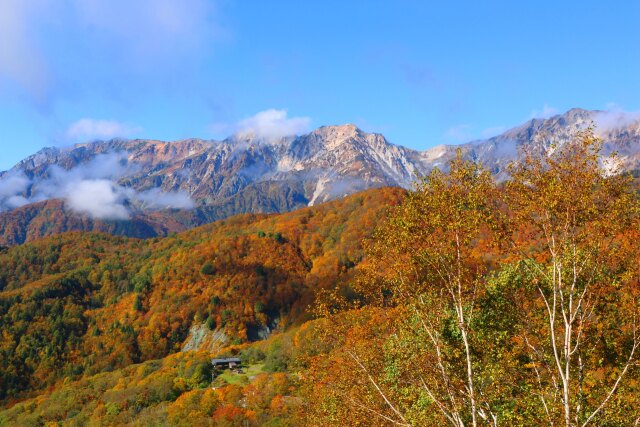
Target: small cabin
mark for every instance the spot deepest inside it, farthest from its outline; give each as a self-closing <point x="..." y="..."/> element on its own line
<point x="229" y="363"/>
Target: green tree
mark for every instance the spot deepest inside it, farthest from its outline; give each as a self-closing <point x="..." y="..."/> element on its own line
<point x="211" y="323"/>
<point x="208" y="269"/>
<point x="137" y="303"/>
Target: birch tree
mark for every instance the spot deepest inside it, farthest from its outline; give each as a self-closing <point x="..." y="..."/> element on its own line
<point x="575" y="232"/>
<point x="431" y="258"/>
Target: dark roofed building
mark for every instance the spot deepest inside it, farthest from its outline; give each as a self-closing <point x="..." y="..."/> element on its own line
<point x="228" y="363"/>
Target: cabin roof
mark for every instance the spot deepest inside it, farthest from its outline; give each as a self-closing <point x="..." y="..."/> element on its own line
<point x="227" y="360"/>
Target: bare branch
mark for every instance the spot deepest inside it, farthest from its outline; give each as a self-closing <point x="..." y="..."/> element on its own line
<point x="375" y="384"/>
<point x="636" y="343"/>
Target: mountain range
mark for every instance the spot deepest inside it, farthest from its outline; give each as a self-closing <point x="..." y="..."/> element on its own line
<point x="146" y="188"/>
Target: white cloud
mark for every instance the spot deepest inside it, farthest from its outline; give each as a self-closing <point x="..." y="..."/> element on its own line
<point x="150" y="28"/>
<point x="59" y="182"/>
<point x="99" y="198"/>
<point x="272" y="125"/>
<point x="459" y="133"/>
<point x="12" y="187"/>
<point x="157" y="199"/>
<point x="90" y="188"/>
<point x="615" y="118"/>
<point x="269" y="125"/>
<point x="546" y="112"/>
<point x="13" y="183"/>
<point x="90" y="129"/>
<point x="141" y="33"/>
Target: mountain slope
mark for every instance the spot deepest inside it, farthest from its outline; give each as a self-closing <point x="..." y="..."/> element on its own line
<point x="211" y="171"/>
<point x="81" y="303"/>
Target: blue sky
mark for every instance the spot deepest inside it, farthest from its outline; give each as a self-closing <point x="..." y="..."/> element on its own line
<point x="422" y="73"/>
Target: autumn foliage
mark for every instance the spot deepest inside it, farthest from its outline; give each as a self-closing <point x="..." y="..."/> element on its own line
<point x="464" y="302"/>
<point x="80" y="304"/>
<point x="510" y="304"/>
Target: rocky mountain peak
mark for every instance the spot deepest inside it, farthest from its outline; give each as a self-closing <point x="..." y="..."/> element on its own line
<point x="347" y="129"/>
<point x="333" y="136"/>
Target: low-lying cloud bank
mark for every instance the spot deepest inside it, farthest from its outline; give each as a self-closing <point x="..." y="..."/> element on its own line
<point x="12" y="186"/>
<point x="90" y="188"/>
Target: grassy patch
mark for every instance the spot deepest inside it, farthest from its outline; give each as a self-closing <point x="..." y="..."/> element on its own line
<point x="248" y="373"/>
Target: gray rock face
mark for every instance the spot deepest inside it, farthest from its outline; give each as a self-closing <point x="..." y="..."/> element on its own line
<point x="202" y="338"/>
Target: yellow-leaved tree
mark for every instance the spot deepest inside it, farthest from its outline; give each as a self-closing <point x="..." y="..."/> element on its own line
<point x="575" y="237"/>
<point x="429" y="263"/>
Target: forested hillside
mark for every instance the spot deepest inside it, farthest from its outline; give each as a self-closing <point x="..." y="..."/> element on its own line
<point x="177" y="390"/>
<point x="79" y="304"/>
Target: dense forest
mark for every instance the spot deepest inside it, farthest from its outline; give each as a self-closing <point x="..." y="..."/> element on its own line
<point x="464" y="302"/>
<point x="79" y="304"/>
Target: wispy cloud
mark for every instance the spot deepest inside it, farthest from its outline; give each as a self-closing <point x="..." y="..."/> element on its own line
<point x="12" y="187"/>
<point x="546" y="112"/>
<point x="459" y="133"/>
<point x="150" y="28"/>
<point x="155" y="198"/>
<point x="99" y="198"/>
<point x="615" y="118"/>
<point x="91" y="129"/>
<point x="89" y="188"/>
<point x="21" y="60"/>
<point x="269" y="125"/>
<point x="143" y="34"/>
